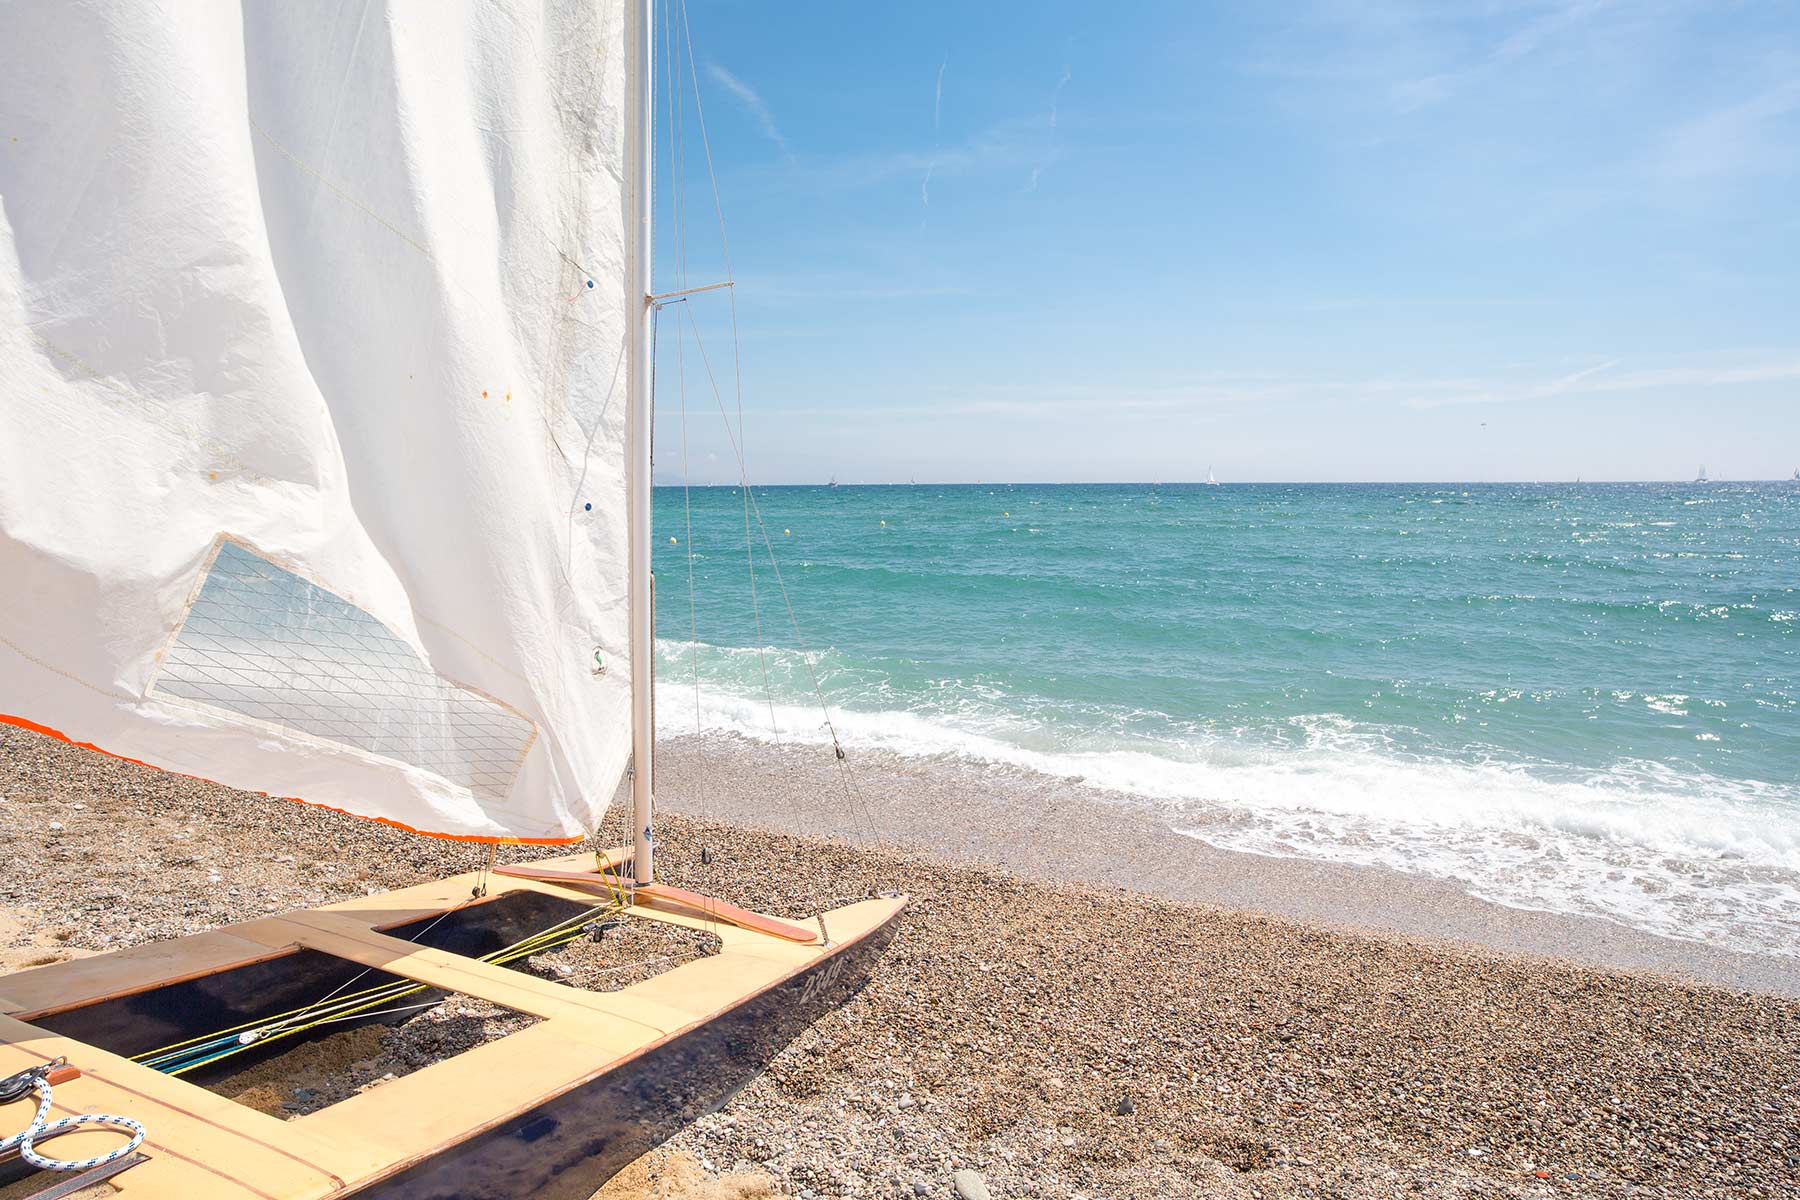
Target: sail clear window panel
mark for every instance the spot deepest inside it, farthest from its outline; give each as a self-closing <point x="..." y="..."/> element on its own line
<point x="262" y="642"/>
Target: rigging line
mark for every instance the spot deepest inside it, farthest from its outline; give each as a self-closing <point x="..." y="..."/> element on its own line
<point x="366" y="970"/>
<point x="687" y="32"/>
<point x="678" y="132"/>
<point x="737" y="368"/>
<point x="858" y="807"/>
<point x="567" y="928"/>
<point x="678" y="206"/>
<point x="847" y="776"/>
<point x="712" y="176"/>
<point x="687" y="506"/>
<point x="284" y="1024"/>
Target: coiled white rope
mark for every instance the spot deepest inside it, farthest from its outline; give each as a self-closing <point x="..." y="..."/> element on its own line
<point x="43" y="1129"/>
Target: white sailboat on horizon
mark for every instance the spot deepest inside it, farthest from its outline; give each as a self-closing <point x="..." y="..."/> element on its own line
<point x="1701" y="477"/>
<point x="1211" y="480"/>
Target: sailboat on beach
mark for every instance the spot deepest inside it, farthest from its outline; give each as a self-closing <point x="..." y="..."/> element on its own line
<point x="327" y="474"/>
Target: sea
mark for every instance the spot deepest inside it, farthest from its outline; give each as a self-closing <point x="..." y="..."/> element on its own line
<point x="1582" y="698"/>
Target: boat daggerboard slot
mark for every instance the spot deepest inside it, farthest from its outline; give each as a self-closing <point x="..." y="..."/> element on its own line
<point x="290" y="1035"/>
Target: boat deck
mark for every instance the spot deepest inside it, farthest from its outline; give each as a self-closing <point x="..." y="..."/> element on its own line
<point x="201" y="1144"/>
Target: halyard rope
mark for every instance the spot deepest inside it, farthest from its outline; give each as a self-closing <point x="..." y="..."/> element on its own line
<point x="43" y="1129"/>
<point x="178" y="1058"/>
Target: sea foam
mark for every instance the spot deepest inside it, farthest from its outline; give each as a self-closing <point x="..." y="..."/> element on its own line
<point x="1692" y="857"/>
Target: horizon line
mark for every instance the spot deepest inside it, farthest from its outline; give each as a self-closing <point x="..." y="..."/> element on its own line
<point x="1236" y="483"/>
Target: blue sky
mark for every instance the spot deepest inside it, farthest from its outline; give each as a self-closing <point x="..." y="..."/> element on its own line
<point x="1361" y="240"/>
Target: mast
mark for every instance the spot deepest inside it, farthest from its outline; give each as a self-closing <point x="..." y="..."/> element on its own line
<point x="639" y="163"/>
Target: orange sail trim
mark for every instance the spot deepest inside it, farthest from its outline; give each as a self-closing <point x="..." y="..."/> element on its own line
<point x="59" y="735"/>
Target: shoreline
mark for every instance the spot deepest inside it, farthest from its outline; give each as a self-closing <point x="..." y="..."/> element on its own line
<point x="1061" y="1040"/>
<point x="1055" y="829"/>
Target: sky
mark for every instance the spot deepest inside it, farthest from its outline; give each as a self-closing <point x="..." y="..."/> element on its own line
<point x="1365" y="240"/>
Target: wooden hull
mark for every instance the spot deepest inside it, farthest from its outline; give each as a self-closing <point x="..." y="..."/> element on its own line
<point x="566" y="1148"/>
<point x="552" y="1110"/>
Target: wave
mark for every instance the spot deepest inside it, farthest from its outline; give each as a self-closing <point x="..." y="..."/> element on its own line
<point x="1676" y="853"/>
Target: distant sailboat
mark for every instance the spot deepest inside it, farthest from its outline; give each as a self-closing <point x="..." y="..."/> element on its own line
<point x="1797" y="474"/>
<point x="1210" y="480"/>
<point x="833" y="482"/>
<point x="1701" y="477"/>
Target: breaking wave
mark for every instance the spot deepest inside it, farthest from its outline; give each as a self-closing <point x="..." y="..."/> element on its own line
<point x="1672" y="852"/>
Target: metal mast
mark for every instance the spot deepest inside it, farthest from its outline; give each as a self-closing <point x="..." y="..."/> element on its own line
<point x="639" y="165"/>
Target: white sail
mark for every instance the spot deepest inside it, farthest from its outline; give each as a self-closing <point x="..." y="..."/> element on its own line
<point x="312" y="474"/>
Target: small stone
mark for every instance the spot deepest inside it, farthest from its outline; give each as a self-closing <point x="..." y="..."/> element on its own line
<point x="56" y="827"/>
<point x="919" y="1189"/>
<point x="1126" y="1107"/>
<point x="969" y="1185"/>
<point x="906" y="1102"/>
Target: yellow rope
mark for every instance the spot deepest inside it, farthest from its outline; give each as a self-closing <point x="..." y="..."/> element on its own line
<point x="554" y="937"/>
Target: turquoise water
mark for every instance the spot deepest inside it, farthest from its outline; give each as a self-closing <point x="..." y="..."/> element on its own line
<point x="1577" y="697"/>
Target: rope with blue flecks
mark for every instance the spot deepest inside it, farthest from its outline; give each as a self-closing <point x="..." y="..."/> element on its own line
<point x="43" y="1129"/>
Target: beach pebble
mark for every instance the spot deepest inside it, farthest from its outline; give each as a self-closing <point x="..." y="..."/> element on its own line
<point x="969" y="1185"/>
<point x="1275" y="1059"/>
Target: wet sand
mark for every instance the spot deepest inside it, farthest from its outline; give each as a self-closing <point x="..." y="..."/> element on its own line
<point x="1057" y="1039"/>
<point x="1055" y="829"/>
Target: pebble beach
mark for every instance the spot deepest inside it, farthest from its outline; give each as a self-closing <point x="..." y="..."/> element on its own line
<point x="1039" y="1028"/>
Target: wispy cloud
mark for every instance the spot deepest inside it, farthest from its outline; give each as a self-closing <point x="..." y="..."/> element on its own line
<point x="1218" y="393"/>
<point x="829" y="286"/>
<point x="1003" y="146"/>
<point x="1738" y="137"/>
<point x="1056" y="92"/>
<point x="1534" y="33"/>
<point x="751" y="102"/>
<point x="937" y="113"/>
<point x="1049" y="150"/>
<point x="1539" y="390"/>
<point x="1605" y="377"/>
<point x="1406" y="57"/>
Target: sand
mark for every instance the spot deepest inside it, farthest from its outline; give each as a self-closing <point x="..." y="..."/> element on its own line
<point x="1060" y="1039"/>
<point x="1053" y="828"/>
